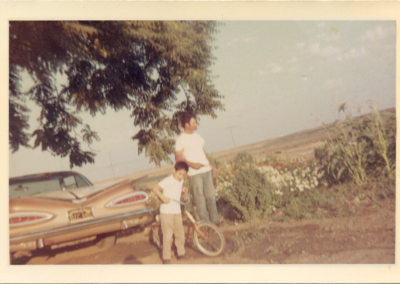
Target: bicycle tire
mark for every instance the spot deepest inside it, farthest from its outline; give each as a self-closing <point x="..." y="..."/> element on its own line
<point x="156" y="236"/>
<point x="214" y="243"/>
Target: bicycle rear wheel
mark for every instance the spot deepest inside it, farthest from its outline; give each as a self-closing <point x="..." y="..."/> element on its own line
<point x="213" y="242"/>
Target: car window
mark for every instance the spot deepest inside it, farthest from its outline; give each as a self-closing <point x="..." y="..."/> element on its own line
<point x="29" y="188"/>
<point x="81" y="182"/>
<point x="69" y="182"/>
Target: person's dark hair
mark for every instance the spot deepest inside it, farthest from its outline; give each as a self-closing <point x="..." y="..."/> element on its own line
<point x="186" y="118"/>
<point x="181" y="165"/>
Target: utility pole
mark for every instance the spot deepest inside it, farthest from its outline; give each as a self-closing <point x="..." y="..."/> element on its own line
<point x="234" y="145"/>
<point x="111" y="164"/>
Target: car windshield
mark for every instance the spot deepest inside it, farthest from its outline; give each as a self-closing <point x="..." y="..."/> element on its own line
<point x="25" y="186"/>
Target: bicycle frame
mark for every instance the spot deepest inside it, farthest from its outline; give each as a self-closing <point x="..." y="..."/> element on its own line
<point x="192" y="224"/>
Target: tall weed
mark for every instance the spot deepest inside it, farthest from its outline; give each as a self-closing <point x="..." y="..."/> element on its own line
<point x="359" y="149"/>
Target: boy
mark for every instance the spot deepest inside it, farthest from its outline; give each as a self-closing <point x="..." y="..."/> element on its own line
<point x="170" y="211"/>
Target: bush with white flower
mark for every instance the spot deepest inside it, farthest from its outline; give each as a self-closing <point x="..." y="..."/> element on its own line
<point x="299" y="179"/>
<point x="258" y="189"/>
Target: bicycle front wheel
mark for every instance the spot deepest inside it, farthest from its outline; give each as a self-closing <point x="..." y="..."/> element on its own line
<point x="211" y="242"/>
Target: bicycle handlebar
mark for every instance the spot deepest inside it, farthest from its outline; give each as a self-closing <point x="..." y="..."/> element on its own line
<point x="183" y="203"/>
<point x="220" y="178"/>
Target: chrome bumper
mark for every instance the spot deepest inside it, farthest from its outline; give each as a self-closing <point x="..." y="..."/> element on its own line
<point x="77" y="227"/>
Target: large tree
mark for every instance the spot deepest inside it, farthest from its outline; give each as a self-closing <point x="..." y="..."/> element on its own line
<point x="140" y="66"/>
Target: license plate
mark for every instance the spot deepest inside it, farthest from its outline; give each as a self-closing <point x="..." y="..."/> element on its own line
<point x="81" y="214"/>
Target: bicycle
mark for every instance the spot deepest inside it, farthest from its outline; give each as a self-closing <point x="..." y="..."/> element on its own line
<point x="207" y="237"/>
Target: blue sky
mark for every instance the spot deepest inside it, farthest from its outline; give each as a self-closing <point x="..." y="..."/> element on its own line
<point x="278" y="77"/>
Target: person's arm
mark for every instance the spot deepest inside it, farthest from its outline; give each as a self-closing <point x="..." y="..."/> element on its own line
<point x="213" y="170"/>
<point x="184" y="192"/>
<point x="157" y="191"/>
<point x="178" y="158"/>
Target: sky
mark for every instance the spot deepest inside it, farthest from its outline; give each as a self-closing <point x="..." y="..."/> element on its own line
<point x="277" y="78"/>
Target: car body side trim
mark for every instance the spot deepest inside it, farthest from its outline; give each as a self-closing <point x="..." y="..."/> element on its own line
<point x="76" y="227"/>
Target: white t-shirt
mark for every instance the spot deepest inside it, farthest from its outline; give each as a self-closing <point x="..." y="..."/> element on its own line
<point x="193" y="151"/>
<point x="171" y="189"/>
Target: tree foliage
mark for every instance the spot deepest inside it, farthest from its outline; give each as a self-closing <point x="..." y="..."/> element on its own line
<point x="139" y="65"/>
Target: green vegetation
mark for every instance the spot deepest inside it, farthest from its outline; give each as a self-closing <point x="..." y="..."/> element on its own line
<point x="138" y="66"/>
<point x="354" y="169"/>
<point x="359" y="150"/>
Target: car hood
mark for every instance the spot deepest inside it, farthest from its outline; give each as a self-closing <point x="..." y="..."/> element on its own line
<point x="77" y="193"/>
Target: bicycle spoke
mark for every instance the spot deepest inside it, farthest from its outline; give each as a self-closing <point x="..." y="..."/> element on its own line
<point x="215" y="248"/>
<point x="208" y="233"/>
<point x="209" y="239"/>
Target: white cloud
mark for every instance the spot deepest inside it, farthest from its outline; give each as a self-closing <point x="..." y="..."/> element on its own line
<point x="249" y="39"/>
<point x="377" y="33"/>
<point x="325" y="37"/>
<point x="292" y="60"/>
<point x="352" y="53"/>
<point x="329" y="84"/>
<point x="233" y="41"/>
<point x="328" y="50"/>
<point x="274" y="68"/>
<point x="244" y="39"/>
<point x="300" y="44"/>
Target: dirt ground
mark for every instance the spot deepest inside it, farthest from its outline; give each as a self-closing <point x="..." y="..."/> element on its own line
<point x="365" y="238"/>
<point x="368" y="237"/>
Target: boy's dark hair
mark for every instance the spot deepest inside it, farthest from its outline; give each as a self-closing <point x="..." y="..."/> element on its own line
<point x="181" y="165"/>
<point x="186" y="118"/>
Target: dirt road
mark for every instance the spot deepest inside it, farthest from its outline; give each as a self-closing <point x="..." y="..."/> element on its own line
<point x="367" y="237"/>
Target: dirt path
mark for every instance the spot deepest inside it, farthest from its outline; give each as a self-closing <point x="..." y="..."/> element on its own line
<point x="367" y="237"/>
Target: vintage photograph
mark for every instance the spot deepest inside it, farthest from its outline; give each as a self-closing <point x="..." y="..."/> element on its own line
<point x="202" y="142"/>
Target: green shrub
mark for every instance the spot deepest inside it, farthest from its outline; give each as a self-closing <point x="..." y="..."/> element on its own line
<point x="361" y="149"/>
<point x="215" y="162"/>
<point x="250" y="194"/>
<point x="242" y="160"/>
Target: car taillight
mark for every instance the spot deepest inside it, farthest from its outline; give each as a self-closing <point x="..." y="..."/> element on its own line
<point x="27" y="218"/>
<point x="133" y="198"/>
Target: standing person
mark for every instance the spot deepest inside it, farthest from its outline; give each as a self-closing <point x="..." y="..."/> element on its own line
<point x="170" y="211"/>
<point x="190" y="145"/>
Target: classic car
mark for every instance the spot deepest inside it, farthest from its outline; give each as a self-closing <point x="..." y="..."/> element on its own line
<point x="59" y="209"/>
